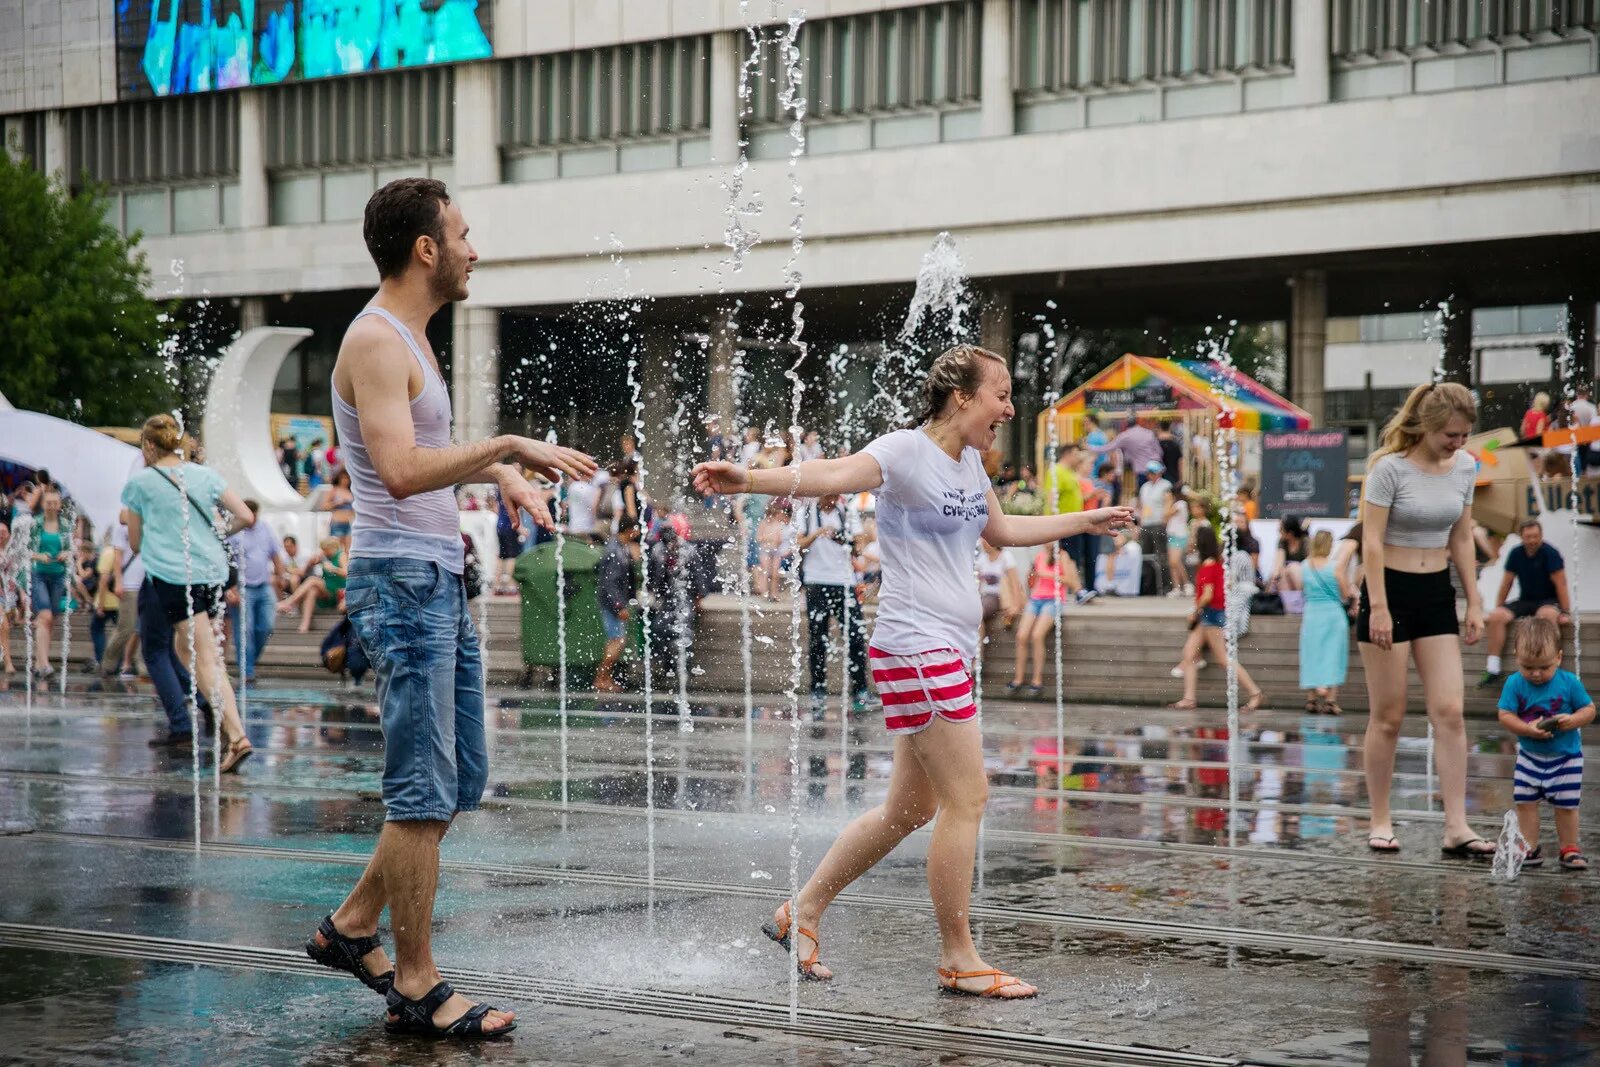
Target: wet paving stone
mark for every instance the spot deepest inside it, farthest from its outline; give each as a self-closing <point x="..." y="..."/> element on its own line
<point x="1119" y="905"/>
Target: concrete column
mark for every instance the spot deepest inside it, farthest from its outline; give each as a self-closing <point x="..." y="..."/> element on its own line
<point x="1458" y="341"/>
<point x="475" y="371"/>
<point x="254" y="201"/>
<point x="55" y="145"/>
<point x="1583" y="313"/>
<point x="1312" y="47"/>
<point x="252" y="312"/>
<point x="719" y="370"/>
<point x="999" y="114"/>
<point x="660" y="443"/>
<point x="477" y="133"/>
<point x="995" y="332"/>
<point x="994" y="323"/>
<point x="1308" y="343"/>
<point x="725" y="97"/>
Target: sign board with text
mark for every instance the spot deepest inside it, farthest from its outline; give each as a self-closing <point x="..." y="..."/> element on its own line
<point x="1304" y="473"/>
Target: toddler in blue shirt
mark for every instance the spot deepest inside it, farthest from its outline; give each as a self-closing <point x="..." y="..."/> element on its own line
<point x="1545" y="706"/>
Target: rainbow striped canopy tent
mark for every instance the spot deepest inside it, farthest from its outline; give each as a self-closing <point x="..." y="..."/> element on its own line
<point x="1173" y="387"/>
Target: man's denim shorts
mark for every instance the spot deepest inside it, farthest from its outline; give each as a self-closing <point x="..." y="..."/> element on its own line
<point x="413" y="622"/>
<point x="615" y="628"/>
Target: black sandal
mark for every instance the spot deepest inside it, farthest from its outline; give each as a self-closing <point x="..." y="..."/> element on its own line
<point x="408" y="1016"/>
<point x="1465" y="851"/>
<point x="346" y="953"/>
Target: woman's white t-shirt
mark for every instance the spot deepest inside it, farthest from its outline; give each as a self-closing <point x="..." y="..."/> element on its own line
<point x="931" y="511"/>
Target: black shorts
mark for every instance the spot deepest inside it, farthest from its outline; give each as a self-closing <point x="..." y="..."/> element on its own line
<point x="178" y="602"/>
<point x="1421" y="605"/>
<point x="510" y="544"/>
<point x="1521" y="609"/>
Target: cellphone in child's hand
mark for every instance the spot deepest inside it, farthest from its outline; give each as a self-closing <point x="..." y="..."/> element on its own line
<point x="1549" y="724"/>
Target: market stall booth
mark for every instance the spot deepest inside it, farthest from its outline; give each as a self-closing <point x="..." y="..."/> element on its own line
<point x="1200" y="396"/>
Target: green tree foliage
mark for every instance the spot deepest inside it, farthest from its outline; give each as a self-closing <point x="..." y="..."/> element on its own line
<point x="81" y="340"/>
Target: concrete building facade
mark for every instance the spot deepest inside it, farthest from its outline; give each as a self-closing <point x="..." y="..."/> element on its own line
<point x="1328" y="164"/>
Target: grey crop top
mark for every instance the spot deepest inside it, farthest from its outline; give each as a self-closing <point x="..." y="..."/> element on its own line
<point x="1422" y="506"/>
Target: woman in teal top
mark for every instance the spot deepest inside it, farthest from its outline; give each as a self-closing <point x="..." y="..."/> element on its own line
<point x="51" y="546"/>
<point x="1324" y="629"/>
<point x="172" y="523"/>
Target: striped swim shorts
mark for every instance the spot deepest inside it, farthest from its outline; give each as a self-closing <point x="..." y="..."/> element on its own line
<point x="917" y="687"/>
<point x="1558" y="779"/>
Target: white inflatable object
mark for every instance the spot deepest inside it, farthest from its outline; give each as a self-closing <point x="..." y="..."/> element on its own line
<point x="237" y="427"/>
<point x="90" y="466"/>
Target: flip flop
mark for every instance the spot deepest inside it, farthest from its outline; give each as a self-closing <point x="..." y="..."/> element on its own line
<point x="1001" y="980"/>
<point x="1465" y="851"/>
<point x="1392" y="846"/>
<point x="778" y="930"/>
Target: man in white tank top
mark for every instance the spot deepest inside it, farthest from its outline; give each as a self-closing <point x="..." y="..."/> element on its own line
<point x="406" y="600"/>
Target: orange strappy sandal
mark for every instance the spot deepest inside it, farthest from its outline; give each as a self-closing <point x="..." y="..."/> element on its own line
<point x="779" y="931"/>
<point x="1002" y="980"/>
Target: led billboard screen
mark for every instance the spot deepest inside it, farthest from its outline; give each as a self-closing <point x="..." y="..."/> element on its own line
<point x="168" y="47"/>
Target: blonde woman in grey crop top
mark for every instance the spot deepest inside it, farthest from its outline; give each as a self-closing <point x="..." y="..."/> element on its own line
<point x="1417" y="519"/>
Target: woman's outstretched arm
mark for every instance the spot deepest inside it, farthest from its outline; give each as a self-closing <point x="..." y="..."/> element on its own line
<point x="815" y="477"/>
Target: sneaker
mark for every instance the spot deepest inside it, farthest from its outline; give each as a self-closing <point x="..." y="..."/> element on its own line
<point x="126" y="675"/>
<point x="1176" y="672"/>
<point x="1488" y="679"/>
<point x="1086" y="595"/>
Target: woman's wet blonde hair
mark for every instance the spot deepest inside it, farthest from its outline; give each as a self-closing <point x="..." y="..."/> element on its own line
<point x="957" y="370"/>
<point x="1426" y="410"/>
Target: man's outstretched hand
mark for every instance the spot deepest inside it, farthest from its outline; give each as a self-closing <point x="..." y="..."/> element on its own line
<point x="552" y="460"/>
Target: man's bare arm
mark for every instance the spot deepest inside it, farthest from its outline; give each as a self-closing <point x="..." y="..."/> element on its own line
<point x="383" y="403"/>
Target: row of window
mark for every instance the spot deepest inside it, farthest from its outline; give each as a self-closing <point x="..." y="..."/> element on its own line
<point x="647" y="105"/>
<point x="917" y="57"/>
<point x="1070" y="45"/>
<point x="1371" y="27"/>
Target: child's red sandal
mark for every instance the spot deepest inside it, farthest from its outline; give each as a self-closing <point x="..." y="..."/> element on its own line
<point x="1572" y="859"/>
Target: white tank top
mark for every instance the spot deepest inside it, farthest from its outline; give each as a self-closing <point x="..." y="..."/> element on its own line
<point x="426" y="526"/>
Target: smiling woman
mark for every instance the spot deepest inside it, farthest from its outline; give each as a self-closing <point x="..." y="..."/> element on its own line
<point x="934" y="501"/>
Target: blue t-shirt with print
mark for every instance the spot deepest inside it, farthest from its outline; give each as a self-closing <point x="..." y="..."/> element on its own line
<point x="1563" y="694"/>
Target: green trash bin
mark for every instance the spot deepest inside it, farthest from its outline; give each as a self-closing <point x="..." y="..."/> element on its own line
<point x="535" y="574"/>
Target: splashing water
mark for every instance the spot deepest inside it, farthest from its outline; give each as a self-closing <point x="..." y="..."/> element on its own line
<point x="561" y="619"/>
<point x="69" y="521"/>
<point x="636" y="390"/>
<point x="791" y="102"/>
<point x="1512" y="850"/>
<point x="1566" y="367"/>
<point x="1226" y="444"/>
<point x="941" y="286"/>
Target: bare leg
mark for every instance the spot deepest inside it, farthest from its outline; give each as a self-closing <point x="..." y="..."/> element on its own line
<point x="404" y="873"/>
<point x="1219" y="654"/>
<point x="1498" y="622"/>
<point x="1043" y="626"/>
<point x="308" y="605"/>
<point x="603" y="680"/>
<point x="211" y="675"/>
<point x="41" y="640"/>
<point x="5" y="640"/>
<point x="1528" y="823"/>
<point x="1566" y="827"/>
<point x="1439" y="665"/>
<point x="868" y="838"/>
<point x="952" y="758"/>
<point x="1025" y="626"/>
<point x="1386" y="696"/>
<point x="1180" y="573"/>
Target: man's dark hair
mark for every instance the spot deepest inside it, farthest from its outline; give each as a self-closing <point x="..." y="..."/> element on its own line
<point x="1529" y="522"/>
<point x="627" y="525"/>
<point x="399" y="213"/>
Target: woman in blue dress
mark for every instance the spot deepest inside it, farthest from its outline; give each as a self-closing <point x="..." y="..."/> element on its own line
<point x="1324" y="628"/>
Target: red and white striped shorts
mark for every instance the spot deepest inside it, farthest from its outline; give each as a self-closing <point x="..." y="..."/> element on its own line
<point x="917" y="687"/>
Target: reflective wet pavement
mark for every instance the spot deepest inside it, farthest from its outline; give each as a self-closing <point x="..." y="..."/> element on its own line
<point x="1117" y="892"/>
